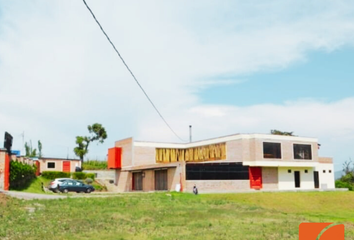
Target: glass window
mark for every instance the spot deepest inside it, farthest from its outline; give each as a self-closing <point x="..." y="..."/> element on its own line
<point x="51" y="165"/>
<point x="302" y="151"/>
<point x="289" y="170"/>
<point x="217" y="171"/>
<point x="271" y="150"/>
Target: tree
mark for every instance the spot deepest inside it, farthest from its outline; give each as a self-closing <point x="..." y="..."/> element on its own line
<point x="277" y="132"/>
<point x="97" y="133"/>
<point x="30" y="152"/>
<point x="39" y="149"/>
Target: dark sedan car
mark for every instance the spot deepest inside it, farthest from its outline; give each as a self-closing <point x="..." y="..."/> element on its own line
<point x="75" y="186"/>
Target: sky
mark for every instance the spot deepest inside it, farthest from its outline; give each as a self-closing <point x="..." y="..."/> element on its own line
<point x="223" y="67"/>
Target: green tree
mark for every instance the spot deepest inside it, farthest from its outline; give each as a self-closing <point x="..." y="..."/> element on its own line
<point x="277" y="132"/>
<point x="39" y="149"/>
<point x="97" y="133"/>
<point x="30" y="152"/>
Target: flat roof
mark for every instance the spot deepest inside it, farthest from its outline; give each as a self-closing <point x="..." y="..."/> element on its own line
<point x="225" y="139"/>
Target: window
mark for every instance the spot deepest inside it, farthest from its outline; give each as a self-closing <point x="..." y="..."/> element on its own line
<point x="302" y="151"/>
<point x="271" y="150"/>
<point x="289" y="170"/>
<point x="324" y="171"/>
<point x="217" y="171"/>
<point x="51" y="165"/>
<point x="330" y="171"/>
<point x="306" y="171"/>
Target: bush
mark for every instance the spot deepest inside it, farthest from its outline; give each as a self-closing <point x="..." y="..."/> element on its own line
<point x="98" y="187"/>
<point x="94" y="165"/>
<point x="55" y="174"/>
<point x="83" y="175"/>
<point x="341" y="184"/>
<point x="89" y="180"/>
<point x="21" y="175"/>
<point x="90" y="175"/>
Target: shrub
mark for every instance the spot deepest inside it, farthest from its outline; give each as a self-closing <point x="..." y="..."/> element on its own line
<point x="79" y="175"/>
<point x="341" y="184"/>
<point x="55" y="174"/>
<point x="21" y="175"/>
<point x="89" y="180"/>
<point x="94" y="165"/>
<point x="83" y="175"/>
<point x="90" y="175"/>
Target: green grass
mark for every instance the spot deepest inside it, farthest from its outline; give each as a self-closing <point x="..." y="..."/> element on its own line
<point x="175" y="216"/>
<point x="35" y="186"/>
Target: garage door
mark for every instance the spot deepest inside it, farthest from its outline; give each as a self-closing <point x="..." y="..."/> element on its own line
<point x="161" y="180"/>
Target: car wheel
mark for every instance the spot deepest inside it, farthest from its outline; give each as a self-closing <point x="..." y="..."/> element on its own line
<point x="88" y="190"/>
<point x="65" y="190"/>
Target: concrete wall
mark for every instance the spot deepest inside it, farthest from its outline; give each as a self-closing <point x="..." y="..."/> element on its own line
<point x="326" y="175"/>
<point x="144" y="156"/>
<point x="209" y="186"/>
<point x="234" y="151"/>
<point x="287" y="180"/>
<point x="103" y="174"/>
<point x="287" y="150"/>
<point x="123" y="181"/>
<point x="127" y="151"/>
<point x="270" y="178"/>
<point x="58" y="164"/>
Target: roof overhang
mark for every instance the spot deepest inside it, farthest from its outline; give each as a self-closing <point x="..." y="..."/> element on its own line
<point x="279" y="164"/>
<point x="150" y="167"/>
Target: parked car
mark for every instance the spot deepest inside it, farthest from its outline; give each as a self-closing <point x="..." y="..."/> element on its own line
<point x="53" y="186"/>
<point x="75" y="186"/>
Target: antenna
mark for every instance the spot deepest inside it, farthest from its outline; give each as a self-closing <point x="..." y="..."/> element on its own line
<point x="190" y="133"/>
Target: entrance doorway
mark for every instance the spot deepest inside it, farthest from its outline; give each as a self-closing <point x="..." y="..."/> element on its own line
<point x="137" y="181"/>
<point x="161" y="180"/>
<point x="255" y="174"/>
<point x="316" y="179"/>
<point x="297" y="179"/>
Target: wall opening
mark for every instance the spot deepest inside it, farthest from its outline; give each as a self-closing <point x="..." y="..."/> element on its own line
<point x="271" y="150"/>
<point x="216" y="171"/>
<point x="302" y="151"/>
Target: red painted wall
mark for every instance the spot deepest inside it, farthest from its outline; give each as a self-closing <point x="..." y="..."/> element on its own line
<point x="114" y="158"/>
<point x="7" y="172"/>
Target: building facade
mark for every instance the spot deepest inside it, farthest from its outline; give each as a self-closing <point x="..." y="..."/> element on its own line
<point x="226" y="164"/>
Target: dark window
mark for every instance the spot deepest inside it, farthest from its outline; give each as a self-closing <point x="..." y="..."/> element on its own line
<point x="51" y="165"/>
<point x="289" y="170"/>
<point x="271" y="150"/>
<point x="302" y="151"/>
<point x="324" y="171"/>
<point x="217" y="171"/>
<point x="306" y="171"/>
<point x="330" y="171"/>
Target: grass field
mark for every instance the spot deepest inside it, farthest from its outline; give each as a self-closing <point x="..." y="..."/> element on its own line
<point x="175" y="216"/>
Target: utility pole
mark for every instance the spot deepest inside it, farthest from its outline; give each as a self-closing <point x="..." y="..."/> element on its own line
<point x="23" y="142"/>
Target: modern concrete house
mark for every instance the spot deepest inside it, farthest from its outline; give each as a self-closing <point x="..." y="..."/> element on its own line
<point x="225" y="164"/>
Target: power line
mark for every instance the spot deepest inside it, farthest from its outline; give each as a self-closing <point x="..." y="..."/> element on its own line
<point x="136" y="80"/>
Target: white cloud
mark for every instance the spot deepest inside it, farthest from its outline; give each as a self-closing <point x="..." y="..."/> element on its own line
<point x="58" y="73"/>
